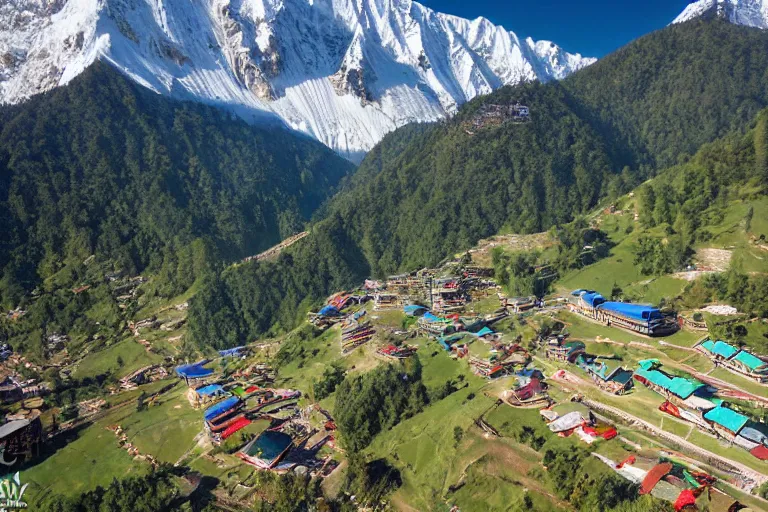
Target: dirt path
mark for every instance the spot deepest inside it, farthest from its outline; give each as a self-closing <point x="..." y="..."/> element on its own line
<point x="201" y="441"/>
<point x="277" y="249"/>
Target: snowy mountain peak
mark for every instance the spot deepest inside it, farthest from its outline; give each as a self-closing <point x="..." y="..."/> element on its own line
<point x="751" y="13"/>
<point x="343" y="71"/>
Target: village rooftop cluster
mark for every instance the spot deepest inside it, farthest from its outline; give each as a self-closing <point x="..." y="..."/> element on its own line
<point x="440" y="301"/>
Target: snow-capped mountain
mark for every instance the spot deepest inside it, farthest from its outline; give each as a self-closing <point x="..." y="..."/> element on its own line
<point x="343" y="71"/>
<point x="752" y="13"/>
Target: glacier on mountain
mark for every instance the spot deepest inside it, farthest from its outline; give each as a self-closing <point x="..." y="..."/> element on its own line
<point x="343" y="71"/>
<point x="750" y="13"/>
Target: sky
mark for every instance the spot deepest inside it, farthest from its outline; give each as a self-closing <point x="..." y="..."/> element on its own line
<point x="593" y="28"/>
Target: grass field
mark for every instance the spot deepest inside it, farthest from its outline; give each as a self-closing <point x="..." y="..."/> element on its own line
<point x="133" y="355"/>
<point x="323" y="349"/>
<point x="742" y="382"/>
<point x="432" y="457"/>
<point x="133" y="394"/>
<point x="166" y="430"/>
<point x="91" y="459"/>
<point x="424" y="447"/>
<point x="757" y="337"/>
<point x="425" y="451"/>
<point x="78" y="462"/>
<point x="500" y="480"/>
<point x="730" y="234"/>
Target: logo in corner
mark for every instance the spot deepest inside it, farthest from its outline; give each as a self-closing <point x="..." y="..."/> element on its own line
<point x="11" y="492"/>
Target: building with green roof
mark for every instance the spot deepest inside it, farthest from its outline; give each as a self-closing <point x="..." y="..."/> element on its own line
<point x="724" y="349"/>
<point x="723" y="418"/>
<point x="751" y="361"/>
<point x="673" y="388"/>
<point x="683" y="387"/>
<point x="736" y="360"/>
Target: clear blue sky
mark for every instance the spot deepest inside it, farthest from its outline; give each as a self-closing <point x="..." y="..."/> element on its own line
<point x="590" y="27"/>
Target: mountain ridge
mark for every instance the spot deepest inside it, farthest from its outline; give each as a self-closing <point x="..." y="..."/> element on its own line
<point x="750" y="13"/>
<point x="342" y="71"/>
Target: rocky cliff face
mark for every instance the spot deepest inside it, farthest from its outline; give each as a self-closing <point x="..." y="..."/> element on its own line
<point x="343" y="71"/>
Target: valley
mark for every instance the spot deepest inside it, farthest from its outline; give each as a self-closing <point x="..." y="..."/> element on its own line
<point x="477" y="436"/>
<point x="542" y="285"/>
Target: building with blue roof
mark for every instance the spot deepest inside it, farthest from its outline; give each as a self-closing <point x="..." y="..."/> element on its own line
<point x="639" y="318"/>
<point x="221" y="408"/>
<point x="209" y="393"/>
<point x="415" y="310"/>
<point x="233" y="352"/>
<point x="194" y="371"/>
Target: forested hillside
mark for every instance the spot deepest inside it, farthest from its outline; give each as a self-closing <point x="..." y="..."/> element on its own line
<point x="595" y="135"/>
<point x="671" y="91"/>
<point x="448" y="188"/>
<point x="248" y="300"/>
<point x="105" y="167"/>
<point x="429" y="191"/>
<point x="423" y="193"/>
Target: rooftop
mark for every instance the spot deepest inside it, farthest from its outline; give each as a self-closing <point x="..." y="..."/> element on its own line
<point x="11" y="427"/>
<point x="727" y="418"/>
<point x="750" y="361"/>
<point x="269" y="445"/>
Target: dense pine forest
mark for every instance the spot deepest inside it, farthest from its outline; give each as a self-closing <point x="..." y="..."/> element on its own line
<point x="661" y="97"/>
<point x="105" y="167"/>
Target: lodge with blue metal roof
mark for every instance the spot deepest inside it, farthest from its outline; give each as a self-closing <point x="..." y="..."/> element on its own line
<point x="638" y="318"/>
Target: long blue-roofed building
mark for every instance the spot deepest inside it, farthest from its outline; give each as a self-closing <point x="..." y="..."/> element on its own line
<point x="638" y="318"/>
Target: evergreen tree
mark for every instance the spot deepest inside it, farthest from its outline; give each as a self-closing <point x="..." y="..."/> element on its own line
<point x="646" y="204"/>
<point x="761" y="147"/>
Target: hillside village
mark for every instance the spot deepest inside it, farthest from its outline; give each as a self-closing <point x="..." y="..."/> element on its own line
<point x="546" y="296"/>
<point x="653" y="395"/>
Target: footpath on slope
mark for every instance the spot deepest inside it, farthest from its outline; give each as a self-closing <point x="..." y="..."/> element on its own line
<point x="277" y="249"/>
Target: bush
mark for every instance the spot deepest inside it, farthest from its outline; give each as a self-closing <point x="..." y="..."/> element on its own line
<point x="332" y="377"/>
<point x="378" y="400"/>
